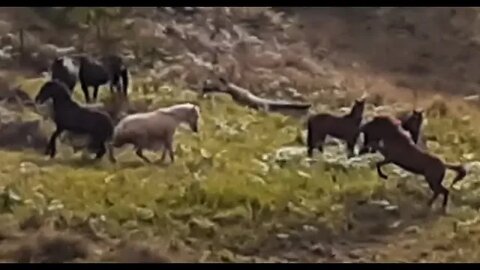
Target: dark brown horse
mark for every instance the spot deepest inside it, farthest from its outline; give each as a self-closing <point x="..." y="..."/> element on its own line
<point x="411" y="123"/>
<point x="344" y="127"/>
<point x="398" y="148"/>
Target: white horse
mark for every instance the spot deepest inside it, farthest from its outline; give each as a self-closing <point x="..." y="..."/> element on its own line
<point x="155" y="130"/>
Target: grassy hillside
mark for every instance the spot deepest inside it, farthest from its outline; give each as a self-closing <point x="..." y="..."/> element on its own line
<point x="241" y="189"/>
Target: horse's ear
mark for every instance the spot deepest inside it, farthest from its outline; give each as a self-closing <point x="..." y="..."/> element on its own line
<point x="196" y="104"/>
<point x="419" y="111"/>
<point x="363" y="97"/>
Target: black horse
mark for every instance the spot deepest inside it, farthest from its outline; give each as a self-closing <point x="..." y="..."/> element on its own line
<point x="410" y="123"/>
<point x="346" y="128"/>
<point x="64" y="70"/>
<point x="94" y="73"/>
<point x="70" y="116"/>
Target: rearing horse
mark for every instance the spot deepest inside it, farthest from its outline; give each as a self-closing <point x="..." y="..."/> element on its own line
<point x="398" y="148"/>
<point x="411" y="123"/>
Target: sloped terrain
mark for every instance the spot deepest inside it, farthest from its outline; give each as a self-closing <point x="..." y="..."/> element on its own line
<point x="242" y="189"/>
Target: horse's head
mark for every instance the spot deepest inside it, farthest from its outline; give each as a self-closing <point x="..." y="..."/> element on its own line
<point x="193" y="114"/>
<point x="417" y="116"/>
<point x="358" y="108"/>
<point x="53" y="89"/>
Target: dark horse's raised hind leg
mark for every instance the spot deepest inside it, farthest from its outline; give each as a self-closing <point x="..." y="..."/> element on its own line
<point x="379" y="168"/>
<point x="139" y="153"/>
<point x="366" y="146"/>
<point x="51" y="147"/>
<point x="435" y="184"/>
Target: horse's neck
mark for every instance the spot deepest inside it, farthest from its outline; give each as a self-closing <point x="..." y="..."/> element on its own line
<point x="60" y="104"/>
<point x="353" y="116"/>
<point x="175" y="115"/>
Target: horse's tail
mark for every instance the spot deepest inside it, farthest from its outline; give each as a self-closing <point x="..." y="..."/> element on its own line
<point x="459" y="169"/>
<point x="124" y="75"/>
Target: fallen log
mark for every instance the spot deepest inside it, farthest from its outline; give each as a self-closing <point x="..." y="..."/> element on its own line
<point x="244" y="97"/>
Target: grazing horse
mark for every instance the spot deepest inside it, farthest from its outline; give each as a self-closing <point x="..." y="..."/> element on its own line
<point x="69" y="116"/>
<point x="93" y="73"/>
<point x="64" y="70"/>
<point x="398" y="148"/>
<point x="155" y="130"/>
<point x="411" y="123"/>
<point x="345" y="128"/>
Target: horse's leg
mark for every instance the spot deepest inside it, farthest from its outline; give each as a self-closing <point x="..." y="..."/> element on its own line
<point x="111" y="154"/>
<point x="311" y="146"/>
<point x="351" y="147"/>
<point x="366" y="145"/>
<point x="319" y="142"/>
<point x="95" y="92"/>
<point x="435" y="184"/>
<point x="164" y="153"/>
<point x="101" y="149"/>
<point x="139" y="153"/>
<point x="85" y="91"/>
<point x="169" y="147"/>
<point x="379" y="168"/>
<point x="112" y="82"/>
<point x="51" y="147"/>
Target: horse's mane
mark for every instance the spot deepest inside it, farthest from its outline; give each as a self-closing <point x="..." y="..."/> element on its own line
<point x="179" y="106"/>
<point x="60" y="87"/>
<point x="68" y="63"/>
<point x="398" y="131"/>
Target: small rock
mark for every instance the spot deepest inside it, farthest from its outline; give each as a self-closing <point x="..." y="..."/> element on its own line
<point x="472" y="98"/>
<point x="354" y="254"/>
<point x="319" y="249"/>
<point x="395" y="224"/>
<point x="28" y="167"/>
<point x="382" y="203"/>
<point x="291" y="256"/>
<point x="391" y="208"/>
<point x="282" y="236"/>
<point x="309" y="228"/>
<point x="424" y="254"/>
<point x="412" y="230"/>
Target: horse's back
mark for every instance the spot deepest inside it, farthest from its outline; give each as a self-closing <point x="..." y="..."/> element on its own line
<point x="144" y="129"/>
<point x="333" y="125"/>
<point x="92" y="73"/>
<point x="114" y="64"/>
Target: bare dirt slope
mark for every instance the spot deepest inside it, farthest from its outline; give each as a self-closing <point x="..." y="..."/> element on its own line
<point x="432" y="49"/>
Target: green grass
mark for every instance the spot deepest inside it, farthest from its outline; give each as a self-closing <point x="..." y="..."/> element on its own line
<point x="226" y="190"/>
